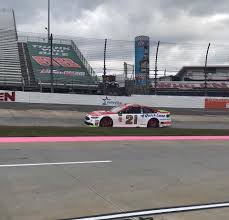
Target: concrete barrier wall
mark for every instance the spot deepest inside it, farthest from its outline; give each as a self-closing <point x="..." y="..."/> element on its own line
<point x="100" y="100"/>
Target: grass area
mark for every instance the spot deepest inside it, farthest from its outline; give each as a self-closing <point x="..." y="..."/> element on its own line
<point x="8" y="131"/>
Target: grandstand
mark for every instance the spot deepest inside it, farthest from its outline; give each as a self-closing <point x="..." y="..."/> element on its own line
<point x="190" y="81"/>
<point x="25" y="62"/>
<point x="10" y="69"/>
<point x="196" y="73"/>
<point x="71" y="71"/>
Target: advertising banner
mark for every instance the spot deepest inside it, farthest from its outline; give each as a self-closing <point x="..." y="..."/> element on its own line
<point x="141" y="60"/>
<point x="211" y="103"/>
<point x="66" y="63"/>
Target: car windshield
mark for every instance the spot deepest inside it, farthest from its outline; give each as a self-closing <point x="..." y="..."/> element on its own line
<point x="117" y="109"/>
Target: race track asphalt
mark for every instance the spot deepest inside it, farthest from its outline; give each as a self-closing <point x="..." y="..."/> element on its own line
<point x="146" y="174"/>
<point x="73" y="118"/>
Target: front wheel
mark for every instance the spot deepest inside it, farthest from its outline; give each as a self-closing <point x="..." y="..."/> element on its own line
<point x="106" y="122"/>
<point x="153" y="123"/>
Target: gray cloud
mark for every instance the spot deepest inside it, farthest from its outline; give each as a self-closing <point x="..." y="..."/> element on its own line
<point x="168" y="21"/>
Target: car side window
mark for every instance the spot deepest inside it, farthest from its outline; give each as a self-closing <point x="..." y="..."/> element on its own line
<point x="137" y="110"/>
<point x="124" y="111"/>
<point x="132" y="110"/>
<point x="147" y="110"/>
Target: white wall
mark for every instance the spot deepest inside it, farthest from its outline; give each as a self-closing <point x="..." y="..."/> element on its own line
<point x="76" y="99"/>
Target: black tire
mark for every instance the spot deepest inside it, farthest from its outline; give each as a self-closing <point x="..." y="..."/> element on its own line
<point x="106" y="122"/>
<point x="153" y="123"/>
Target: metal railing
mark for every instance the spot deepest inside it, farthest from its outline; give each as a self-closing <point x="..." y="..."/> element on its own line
<point x="41" y="39"/>
<point x="83" y="59"/>
<point x="171" y="63"/>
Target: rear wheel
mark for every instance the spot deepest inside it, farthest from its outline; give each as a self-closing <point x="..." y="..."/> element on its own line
<point x="106" y="122"/>
<point x="153" y="123"/>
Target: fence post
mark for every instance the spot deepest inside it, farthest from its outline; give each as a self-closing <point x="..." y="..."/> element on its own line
<point x="125" y="70"/>
<point x="205" y="72"/>
<point x="51" y="63"/>
<point x="104" y="58"/>
<point x="104" y="66"/>
<point x="155" y="75"/>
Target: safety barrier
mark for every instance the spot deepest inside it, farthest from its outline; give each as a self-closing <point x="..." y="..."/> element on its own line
<point x="101" y="100"/>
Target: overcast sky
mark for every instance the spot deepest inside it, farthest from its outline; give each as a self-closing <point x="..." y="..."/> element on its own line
<point x="165" y="20"/>
<point x="179" y="21"/>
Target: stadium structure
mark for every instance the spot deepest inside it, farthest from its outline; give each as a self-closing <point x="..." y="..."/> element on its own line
<point x="25" y="64"/>
<point x="190" y="80"/>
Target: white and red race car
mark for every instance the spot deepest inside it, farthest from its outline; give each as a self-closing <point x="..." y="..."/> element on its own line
<point x="129" y="115"/>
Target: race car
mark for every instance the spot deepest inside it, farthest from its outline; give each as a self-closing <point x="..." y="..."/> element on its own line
<point x="129" y="115"/>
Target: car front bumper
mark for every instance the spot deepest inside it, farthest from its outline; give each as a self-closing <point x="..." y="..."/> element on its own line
<point x="91" y="121"/>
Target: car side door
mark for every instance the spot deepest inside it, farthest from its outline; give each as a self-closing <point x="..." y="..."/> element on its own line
<point x="131" y="116"/>
<point x="148" y="113"/>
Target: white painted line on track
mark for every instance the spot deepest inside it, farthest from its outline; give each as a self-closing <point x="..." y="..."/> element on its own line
<point x="158" y="211"/>
<point x="57" y="163"/>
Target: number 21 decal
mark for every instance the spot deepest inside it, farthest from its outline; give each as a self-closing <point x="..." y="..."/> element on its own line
<point x="131" y="120"/>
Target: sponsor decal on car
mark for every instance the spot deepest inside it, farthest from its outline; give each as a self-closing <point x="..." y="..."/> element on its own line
<point x="153" y="115"/>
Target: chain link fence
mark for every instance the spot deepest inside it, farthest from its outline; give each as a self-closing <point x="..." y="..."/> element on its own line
<point x="119" y="59"/>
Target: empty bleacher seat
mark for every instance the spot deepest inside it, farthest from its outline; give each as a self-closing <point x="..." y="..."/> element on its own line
<point x="10" y="69"/>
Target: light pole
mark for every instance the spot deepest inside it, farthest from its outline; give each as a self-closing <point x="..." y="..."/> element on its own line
<point x="48" y="29"/>
<point x="51" y="63"/>
<point x="50" y="41"/>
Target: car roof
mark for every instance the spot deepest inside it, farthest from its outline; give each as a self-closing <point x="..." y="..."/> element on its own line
<point x="135" y="105"/>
